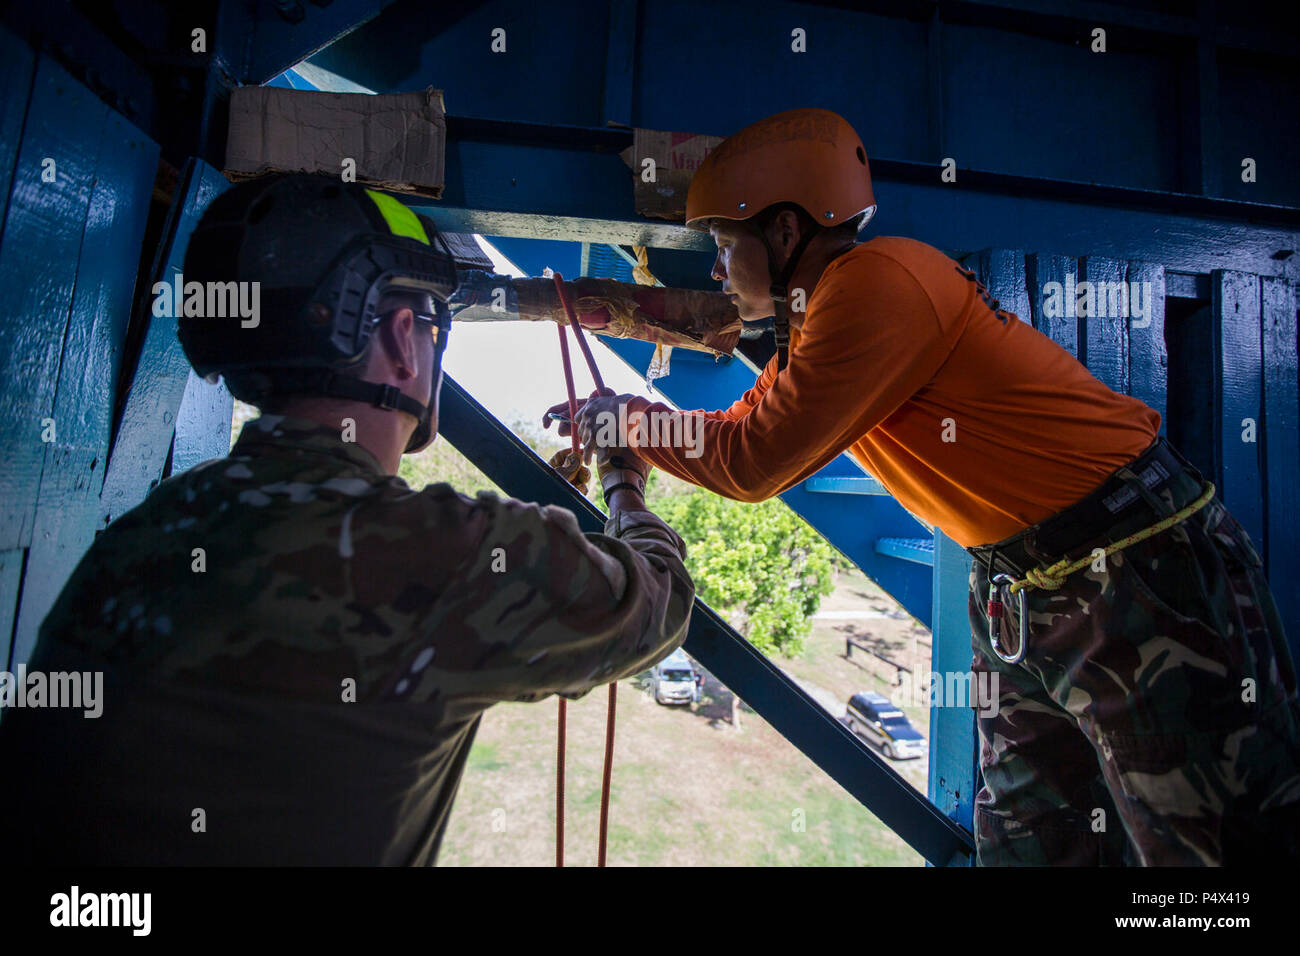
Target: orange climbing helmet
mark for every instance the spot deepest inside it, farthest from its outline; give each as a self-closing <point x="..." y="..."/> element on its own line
<point x="812" y="157"/>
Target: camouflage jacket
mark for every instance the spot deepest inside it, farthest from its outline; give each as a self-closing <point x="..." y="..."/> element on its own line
<point x="302" y="646"/>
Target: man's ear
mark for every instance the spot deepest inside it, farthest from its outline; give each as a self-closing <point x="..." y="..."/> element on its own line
<point x="786" y="228"/>
<point x="396" y="336"/>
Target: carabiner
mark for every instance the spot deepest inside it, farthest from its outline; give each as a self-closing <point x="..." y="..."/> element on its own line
<point x="995" y="619"/>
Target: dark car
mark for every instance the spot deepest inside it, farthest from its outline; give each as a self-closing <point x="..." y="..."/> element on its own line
<point x="875" y="719"/>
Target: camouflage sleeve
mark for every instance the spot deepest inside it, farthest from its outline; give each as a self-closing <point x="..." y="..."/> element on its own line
<point x="552" y="610"/>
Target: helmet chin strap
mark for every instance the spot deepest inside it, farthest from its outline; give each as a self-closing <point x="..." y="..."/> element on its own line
<point x="423" y="434"/>
<point x="780" y="291"/>
<point x="329" y="383"/>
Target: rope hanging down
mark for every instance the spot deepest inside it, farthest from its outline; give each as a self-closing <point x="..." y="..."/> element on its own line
<point x="576" y="461"/>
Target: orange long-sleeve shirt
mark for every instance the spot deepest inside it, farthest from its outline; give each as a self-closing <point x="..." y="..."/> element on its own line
<point x="975" y="421"/>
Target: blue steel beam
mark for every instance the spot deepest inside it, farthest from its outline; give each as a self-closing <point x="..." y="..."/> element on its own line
<point x="916" y="550"/>
<point x="776" y="698"/>
<point x="545" y="167"/>
<point x="260" y="40"/>
<point x="954" y="747"/>
<point x="844" y="485"/>
<point x="993" y="73"/>
<point x="528" y="182"/>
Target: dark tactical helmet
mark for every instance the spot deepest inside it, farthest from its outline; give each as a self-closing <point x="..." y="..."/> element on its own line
<point x="325" y="253"/>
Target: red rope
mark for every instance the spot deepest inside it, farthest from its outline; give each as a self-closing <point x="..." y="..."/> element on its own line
<point x="609" y="770"/>
<point x="613" y="687"/>
<point x="559" y="755"/>
<point x="577" y="331"/>
<point x="559" y="792"/>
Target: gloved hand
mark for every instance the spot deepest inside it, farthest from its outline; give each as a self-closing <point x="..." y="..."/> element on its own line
<point x="623" y="468"/>
<point x="571" y="467"/>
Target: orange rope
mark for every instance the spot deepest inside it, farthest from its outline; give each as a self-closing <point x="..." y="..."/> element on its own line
<point x="613" y="687"/>
<point x="609" y="770"/>
<point x="559" y="792"/>
<point x="577" y="331"/>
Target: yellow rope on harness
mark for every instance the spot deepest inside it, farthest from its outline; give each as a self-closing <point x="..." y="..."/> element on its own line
<point x="1051" y="578"/>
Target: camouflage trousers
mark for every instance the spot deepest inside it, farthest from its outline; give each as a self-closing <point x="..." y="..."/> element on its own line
<point x="1153" y="719"/>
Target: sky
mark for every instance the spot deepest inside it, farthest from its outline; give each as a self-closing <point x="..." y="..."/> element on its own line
<point x="514" y="369"/>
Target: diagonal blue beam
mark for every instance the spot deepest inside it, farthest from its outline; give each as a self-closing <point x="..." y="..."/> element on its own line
<point x="258" y="41"/>
<point x="734" y="661"/>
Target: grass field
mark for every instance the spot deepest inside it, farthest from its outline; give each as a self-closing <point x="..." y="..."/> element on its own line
<point x="689" y="789"/>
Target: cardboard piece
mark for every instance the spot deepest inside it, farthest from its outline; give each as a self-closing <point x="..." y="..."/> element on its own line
<point x="676" y="156"/>
<point x="397" y="140"/>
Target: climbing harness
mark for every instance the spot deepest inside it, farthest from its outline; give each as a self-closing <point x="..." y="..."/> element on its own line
<point x="1052" y="577"/>
<point x="576" y="459"/>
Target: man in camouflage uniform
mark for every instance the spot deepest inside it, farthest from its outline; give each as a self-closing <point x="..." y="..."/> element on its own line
<point x="1166" y="660"/>
<point x="297" y="647"/>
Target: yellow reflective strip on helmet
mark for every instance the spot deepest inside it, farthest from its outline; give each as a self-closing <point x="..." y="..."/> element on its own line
<point x="400" y="219"/>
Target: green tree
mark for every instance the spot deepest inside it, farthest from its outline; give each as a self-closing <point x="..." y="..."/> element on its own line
<point x="758" y="563"/>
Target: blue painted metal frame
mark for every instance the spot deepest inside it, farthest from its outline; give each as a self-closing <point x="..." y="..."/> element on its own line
<point x="514" y="467"/>
<point x="954" y="745"/>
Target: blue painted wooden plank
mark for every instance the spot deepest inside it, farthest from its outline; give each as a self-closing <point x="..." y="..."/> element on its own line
<point x="1239" y="388"/>
<point x="954" y="747"/>
<point x="11" y="576"/>
<point x="17" y="70"/>
<point x="1049" y="278"/>
<point x="38" y="268"/>
<point x="1002" y="273"/>
<point x="1282" y="452"/>
<point x="202" y="424"/>
<point x="1148" y="358"/>
<point x="144" y="434"/>
<point x="1103" y="321"/>
<point x="67" y="508"/>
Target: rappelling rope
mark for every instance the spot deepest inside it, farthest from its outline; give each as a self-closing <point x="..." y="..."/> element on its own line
<point x="613" y="685"/>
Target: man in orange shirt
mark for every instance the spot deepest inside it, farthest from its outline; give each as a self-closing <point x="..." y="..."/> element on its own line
<point x="1147" y="707"/>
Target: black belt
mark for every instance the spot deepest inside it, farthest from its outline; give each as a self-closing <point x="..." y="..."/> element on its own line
<point x="1125" y="502"/>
